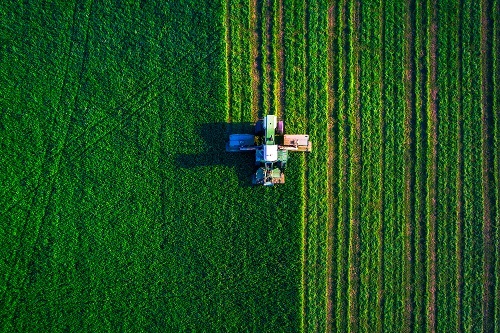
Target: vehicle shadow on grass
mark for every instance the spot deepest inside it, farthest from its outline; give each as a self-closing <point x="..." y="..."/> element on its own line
<point x="215" y="136"/>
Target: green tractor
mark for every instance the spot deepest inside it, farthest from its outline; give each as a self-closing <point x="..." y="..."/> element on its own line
<point x="271" y="148"/>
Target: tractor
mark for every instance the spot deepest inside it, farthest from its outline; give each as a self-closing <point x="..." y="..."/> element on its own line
<point x="271" y="146"/>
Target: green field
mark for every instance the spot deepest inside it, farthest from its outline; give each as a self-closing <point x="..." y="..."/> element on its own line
<point x="121" y="211"/>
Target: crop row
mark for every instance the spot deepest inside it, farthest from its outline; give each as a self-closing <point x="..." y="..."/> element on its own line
<point x="472" y="169"/>
<point x="316" y="99"/>
<point x="372" y="165"/>
<point x="404" y="200"/>
<point x="447" y="169"/>
<point x="238" y="65"/>
<point x="295" y="117"/>
<point x="340" y="295"/>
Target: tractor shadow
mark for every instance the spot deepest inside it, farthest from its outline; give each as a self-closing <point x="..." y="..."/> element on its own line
<point x="214" y="137"/>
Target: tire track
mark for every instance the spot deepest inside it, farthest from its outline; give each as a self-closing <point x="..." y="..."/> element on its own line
<point x="48" y="182"/>
<point x="133" y="112"/>
<point x="64" y="83"/>
<point x="118" y="113"/>
<point x="103" y="129"/>
<point x="487" y="165"/>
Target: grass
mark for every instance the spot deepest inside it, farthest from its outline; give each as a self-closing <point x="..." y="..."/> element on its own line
<point x="120" y="210"/>
<point x="110" y="224"/>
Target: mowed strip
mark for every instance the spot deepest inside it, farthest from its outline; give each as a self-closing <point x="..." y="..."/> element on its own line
<point x="356" y="165"/>
<point x="279" y="58"/>
<point x="227" y="35"/>
<point x="294" y="37"/>
<point x="267" y="57"/>
<point x="237" y="65"/>
<point x="316" y="53"/>
<point x="342" y="282"/>
<point x="393" y="182"/>
<point x="256" y="57"/>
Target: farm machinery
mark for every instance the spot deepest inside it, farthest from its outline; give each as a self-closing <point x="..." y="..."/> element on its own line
<point x="271" y="146"/>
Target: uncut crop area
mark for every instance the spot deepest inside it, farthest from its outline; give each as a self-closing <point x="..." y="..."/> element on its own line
<point x="121" y="211"/>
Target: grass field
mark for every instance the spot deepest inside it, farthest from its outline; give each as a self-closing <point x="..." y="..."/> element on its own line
<point x="121" y="211"/>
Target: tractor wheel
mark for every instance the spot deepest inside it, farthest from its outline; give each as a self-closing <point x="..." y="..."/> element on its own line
<point x="259" y="127"/>
<point x="279" y="128"/>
